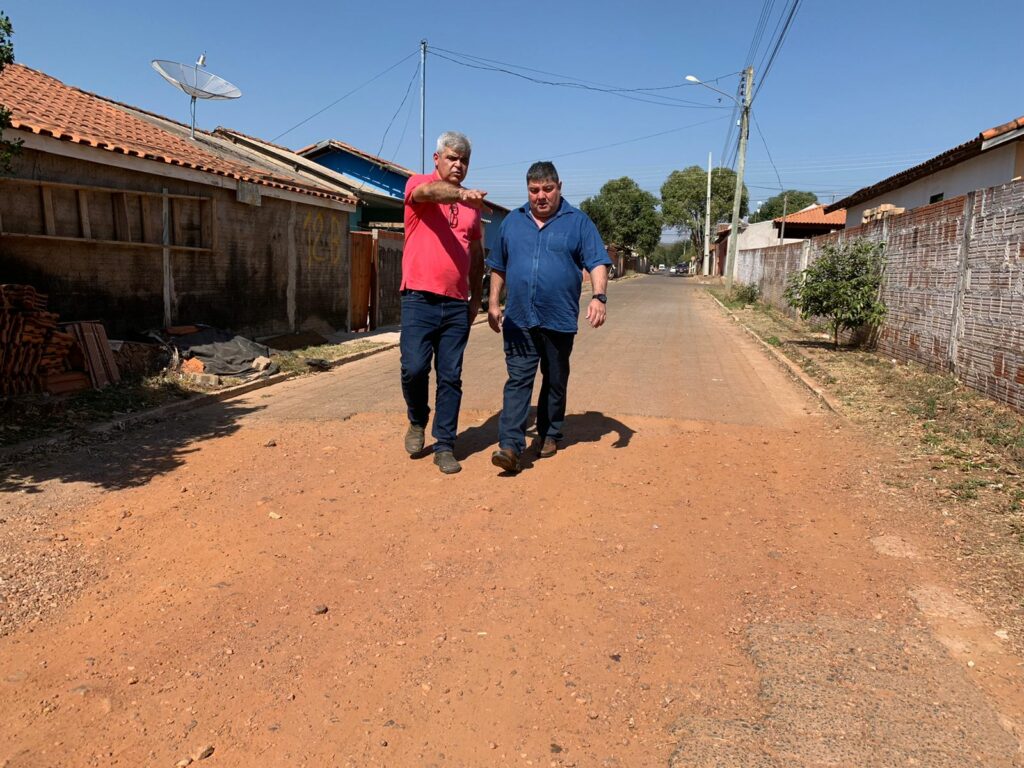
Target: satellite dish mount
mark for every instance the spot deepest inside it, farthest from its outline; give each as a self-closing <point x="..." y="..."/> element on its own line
<point x="194" y="80"/>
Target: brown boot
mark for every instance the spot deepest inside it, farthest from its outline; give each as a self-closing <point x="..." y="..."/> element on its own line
<point x="506" y="458"/>
<point x="548" y="448"/>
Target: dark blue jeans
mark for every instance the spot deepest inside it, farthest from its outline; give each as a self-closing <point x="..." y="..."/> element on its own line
<point x="434" y="328"/>
<point x="525" y="349"/>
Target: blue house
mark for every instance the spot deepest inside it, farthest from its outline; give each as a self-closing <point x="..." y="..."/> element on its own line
<point x="380" y="185"/>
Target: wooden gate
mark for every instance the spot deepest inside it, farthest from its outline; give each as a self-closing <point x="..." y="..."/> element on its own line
<point x="374" y="279"/>
<point x="389" y="278"/>
<point x="360" y="280"/>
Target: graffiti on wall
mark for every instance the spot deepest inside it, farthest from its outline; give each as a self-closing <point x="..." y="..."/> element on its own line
<point x="323" y="237"/>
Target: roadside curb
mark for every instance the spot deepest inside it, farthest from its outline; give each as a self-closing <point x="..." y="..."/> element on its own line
<point x="169" y="410"/>
<point x="794" y="370"/>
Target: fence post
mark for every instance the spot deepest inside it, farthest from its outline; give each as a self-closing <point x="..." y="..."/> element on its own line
<point x="293" y="268"/>
<point x="805" y="254"/>
<point x="956" y="324"/>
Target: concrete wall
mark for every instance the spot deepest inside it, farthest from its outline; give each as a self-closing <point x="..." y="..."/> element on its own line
<point x="997" y="166"/>
<point x="954" y="286"/>
<point x="278" y="266"/>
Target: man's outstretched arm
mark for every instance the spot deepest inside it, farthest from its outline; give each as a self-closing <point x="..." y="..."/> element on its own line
<point x="446" y="192"/>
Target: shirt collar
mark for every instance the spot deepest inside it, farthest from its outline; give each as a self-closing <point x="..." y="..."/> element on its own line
<point x="564" y="207"/>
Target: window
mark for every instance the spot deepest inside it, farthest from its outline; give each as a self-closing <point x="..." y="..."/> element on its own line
<point x="935" y="198"/>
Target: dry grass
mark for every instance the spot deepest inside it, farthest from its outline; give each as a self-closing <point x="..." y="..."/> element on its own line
<point x="295" y="361"/>
<point x="35" y="416"/>
<point x="963" y="454"/>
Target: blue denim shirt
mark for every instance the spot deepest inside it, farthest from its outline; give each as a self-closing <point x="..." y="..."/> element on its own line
<point x="544" y="266"/>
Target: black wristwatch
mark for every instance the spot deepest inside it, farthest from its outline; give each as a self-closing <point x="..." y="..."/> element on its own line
<point x="600" y="297"/>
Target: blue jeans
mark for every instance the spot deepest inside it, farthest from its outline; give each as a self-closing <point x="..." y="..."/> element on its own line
<point x="434" y="328"/>
<point x="525" y="349"/>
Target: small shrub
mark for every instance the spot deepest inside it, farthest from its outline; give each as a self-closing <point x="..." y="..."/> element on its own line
<point x="843" y="286"/>
<point x="745" y="294"/>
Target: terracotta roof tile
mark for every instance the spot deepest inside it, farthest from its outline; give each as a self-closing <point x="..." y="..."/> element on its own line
<point x="45" y="106"/>
<point x="816" y="215"/>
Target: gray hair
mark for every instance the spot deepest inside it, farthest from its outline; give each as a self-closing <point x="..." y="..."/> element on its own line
<point x="454" y="140"/>
<point x="542" y="170"/>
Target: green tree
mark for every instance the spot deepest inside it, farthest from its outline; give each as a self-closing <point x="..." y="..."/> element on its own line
<point x="684" y="200"/>
<point x="7" y="148"/>
<point x="625" y="215"/>
<point x="794" y="200"/>
<point x="679" y="252"/>
<point x="843" y="286"/>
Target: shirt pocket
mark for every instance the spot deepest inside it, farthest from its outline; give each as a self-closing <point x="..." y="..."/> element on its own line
<point x="558" y="243"/>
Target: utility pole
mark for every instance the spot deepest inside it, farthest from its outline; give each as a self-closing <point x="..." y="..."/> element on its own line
<point x="423" y="106"/>
<point x="730" y="263"/>
<point x="782" y="228"/>
<point x="707" y="225"/>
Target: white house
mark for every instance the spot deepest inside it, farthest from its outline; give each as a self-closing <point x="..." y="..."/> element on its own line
<point x="993" y="157"/>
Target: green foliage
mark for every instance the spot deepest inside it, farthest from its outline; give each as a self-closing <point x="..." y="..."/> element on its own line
<point x="745" y="294"/>
<point x="625" y="215"/>
<point x="679" y="252"/>
<point x="7" y="148"/>
<point x="843" y="286"/>
<point x="795" y="200"/>
<point x="684" y="200"/>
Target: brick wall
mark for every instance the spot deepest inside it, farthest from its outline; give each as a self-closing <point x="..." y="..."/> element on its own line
<point x="954" y="286"/>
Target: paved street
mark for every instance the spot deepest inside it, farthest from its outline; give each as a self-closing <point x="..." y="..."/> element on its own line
<point x="658" y="355"/>
<point x="707" y="574"/>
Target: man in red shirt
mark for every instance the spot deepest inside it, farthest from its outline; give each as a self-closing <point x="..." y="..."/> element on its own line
<point x="442" y="272"/>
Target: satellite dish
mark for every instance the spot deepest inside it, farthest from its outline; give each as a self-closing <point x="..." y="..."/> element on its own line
<point x="196" y="82"/>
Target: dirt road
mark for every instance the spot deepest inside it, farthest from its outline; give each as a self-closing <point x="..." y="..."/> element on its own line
<point x="712" y="572"/>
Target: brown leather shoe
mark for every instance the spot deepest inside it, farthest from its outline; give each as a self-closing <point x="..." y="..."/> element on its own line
<point x="548" y="448"/>
<point x="506" y="459"/>
<point x="414" y="439"/>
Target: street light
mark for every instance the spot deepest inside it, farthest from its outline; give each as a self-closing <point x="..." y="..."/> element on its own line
<point x="748" y="80"/>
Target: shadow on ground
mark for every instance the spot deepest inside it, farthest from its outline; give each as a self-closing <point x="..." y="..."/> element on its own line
<point x="121" y="459"/>
<point x="586" y="427"/>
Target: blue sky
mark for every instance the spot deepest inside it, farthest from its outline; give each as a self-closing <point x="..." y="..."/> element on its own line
<point x="857" y="92"/>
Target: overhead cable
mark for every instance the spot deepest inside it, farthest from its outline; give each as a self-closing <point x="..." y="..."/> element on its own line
<point x="401" y="104"/>
<point x="775" y="51"/>
<point x="606" y="146"/>
<point x="342" y="98"/>
<point x="625" y="93"/>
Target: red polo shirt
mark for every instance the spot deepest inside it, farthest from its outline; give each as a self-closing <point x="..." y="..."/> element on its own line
<point x="437" y="237"/>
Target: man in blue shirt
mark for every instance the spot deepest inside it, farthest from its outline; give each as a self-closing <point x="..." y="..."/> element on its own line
<point x="544" y="246"/>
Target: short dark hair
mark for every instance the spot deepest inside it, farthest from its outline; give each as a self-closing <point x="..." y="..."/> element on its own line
<point x="542" y="170"/>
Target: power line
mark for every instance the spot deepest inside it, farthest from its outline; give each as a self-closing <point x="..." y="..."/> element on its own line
<point x="405" y="126"/>
<point x="604" y="86"/>
<point x="624" y="93"/>
<point x="607" y="146"/>
<point x="342" y="98"/>
<point x="767" y="151"/>
<point x="408" y="88"/>
<point x="778" y="46"/>
<point x="762" y="23"/>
